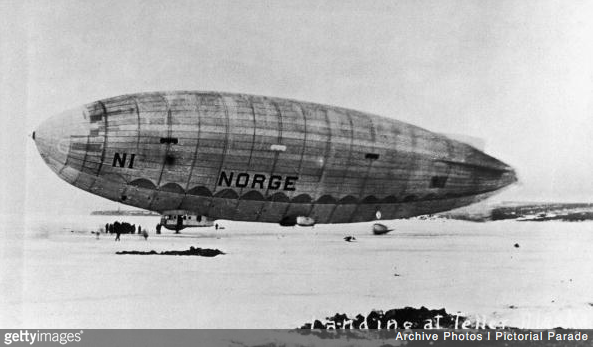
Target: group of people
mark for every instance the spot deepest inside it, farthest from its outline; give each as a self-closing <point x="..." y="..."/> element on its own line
<point x="124" y="228"/>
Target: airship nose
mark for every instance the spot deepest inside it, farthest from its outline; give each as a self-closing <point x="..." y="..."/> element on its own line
<point x="54" y="135"/>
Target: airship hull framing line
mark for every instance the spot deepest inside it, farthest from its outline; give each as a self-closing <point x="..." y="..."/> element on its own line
<point x="262" y="159"/>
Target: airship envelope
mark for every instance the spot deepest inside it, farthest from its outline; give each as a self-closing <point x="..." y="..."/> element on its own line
<point x="254" y="158"/>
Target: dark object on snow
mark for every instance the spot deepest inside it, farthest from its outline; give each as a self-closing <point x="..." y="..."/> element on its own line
<point x="517" y="245"/>
<point x="203" y="252"/>
<point x="350" y="238"/>
<point x="380" y="229"/>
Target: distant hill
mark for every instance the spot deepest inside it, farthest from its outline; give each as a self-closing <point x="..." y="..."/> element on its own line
<point x="124" y="213"/>
<point x="522" y="211"/>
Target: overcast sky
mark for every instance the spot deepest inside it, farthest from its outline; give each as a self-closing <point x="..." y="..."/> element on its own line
<point x="517" y="74"/>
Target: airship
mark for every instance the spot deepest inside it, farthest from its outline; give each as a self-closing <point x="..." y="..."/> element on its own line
<point x="196" y="157"/>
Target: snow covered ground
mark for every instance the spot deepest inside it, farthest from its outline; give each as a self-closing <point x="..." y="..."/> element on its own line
<point x="56" y="274"/>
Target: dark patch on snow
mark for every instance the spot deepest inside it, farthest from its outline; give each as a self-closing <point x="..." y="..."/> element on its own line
<point x="202" y="252"/>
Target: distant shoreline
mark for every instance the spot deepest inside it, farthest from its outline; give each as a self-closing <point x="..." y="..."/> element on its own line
<point x="537" y="212"/>
<point x="124" y="213"/>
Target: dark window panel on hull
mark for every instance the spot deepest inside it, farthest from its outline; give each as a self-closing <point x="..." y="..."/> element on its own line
<point x="169" y="140"/>
<point x="181" y="156"/>
<point x="438" y="181"/>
